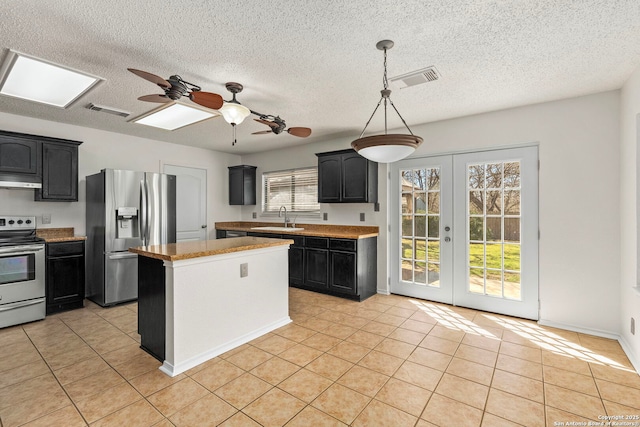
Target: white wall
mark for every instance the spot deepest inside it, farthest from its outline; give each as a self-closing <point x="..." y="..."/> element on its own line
<point x="629" y="139"/>
<point x="101" y="149"/>
<point x="579" y="197"/>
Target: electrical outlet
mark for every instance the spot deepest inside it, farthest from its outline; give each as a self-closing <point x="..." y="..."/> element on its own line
<point x="46" y="218"/>
<point x="361" y="216"/>
<point x="376" y="207"/>
<point x="325" y="216"/>
<point x="244" y="269"/>
<point x="633" y="326"/>
<point x="254" y="215"/>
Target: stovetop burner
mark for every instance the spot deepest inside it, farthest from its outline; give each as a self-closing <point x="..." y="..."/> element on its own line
<point x="18" y="230"/>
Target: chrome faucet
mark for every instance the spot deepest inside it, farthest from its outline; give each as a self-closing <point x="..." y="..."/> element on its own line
<point x="285" y="215"/>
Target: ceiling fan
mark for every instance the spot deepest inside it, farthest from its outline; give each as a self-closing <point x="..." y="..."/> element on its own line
<point x="233" y="112"/>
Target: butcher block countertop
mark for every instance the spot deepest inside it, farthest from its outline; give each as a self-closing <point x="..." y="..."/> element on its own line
<point x="313" y="230"/>
<point x="52" y="235"/>
<point x="202" y="248"/>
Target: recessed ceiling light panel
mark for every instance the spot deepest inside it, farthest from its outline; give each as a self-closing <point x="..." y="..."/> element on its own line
<point x="37" y="80"/>
<point x="174" y="116"/>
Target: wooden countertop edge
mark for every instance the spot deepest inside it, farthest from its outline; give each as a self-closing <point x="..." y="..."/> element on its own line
<point x="64" y="239"/>
<point x="206" y="253"/>
<point x="310" y="233"/>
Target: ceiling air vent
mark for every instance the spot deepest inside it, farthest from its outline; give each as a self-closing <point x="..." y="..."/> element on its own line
<point x="418" y="77"/>
<point x="108" y="110"/>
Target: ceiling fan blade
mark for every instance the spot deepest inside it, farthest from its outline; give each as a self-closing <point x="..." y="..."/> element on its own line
<point x="266" y="122"/>
<point x="262" y="132"/>
<point x="155" y="98"/>
<point x="301" y="132"/>
<point x="207" y="99"/>
<point x="151" y="77"/>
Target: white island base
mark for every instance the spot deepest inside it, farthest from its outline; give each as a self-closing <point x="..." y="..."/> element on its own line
<point x="210" y="308"/>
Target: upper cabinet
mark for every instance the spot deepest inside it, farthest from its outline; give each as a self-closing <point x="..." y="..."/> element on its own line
<point x="59" y="172"/>
<point x="52" y="162"/>
<point x="346" y="177"/>
<point x="242" y="185"/>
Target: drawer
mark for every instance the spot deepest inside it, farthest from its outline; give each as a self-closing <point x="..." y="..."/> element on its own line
<point x="297" y="240"/>
<point x="317" y="242"/>
<point x="343" y="245"/>
<point x="65" y="248"/>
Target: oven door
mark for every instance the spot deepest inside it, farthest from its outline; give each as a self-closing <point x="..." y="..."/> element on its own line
<point x="22" y="284"/>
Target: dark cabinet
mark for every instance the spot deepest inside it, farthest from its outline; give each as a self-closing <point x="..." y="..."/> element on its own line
<point x="316" y="268"/>
<point x="343" y="272"/>
<point x="59" y="172"/>
<point x="65" y="280"/>
<point x="242" y="185"/>
<point x="346" y="177"/>
<point x="20" y="157"/>
<point x="151" y="306"/>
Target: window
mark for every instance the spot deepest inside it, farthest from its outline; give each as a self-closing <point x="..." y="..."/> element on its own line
<point x="295" y="189"/>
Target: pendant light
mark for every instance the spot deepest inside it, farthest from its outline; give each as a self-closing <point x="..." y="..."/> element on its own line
<point x="233" y="112"/>
<point x="386" y="148"/>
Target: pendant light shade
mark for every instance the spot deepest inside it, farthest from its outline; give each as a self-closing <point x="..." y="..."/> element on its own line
<point x="386" y="148"/>
<point x="233" y="113"/>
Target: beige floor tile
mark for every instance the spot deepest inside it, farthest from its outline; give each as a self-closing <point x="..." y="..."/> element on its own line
<point x="23" y="373"/>
<point x="341" y="402"/>
<point x="93" y="384"/>
<point x="470" y="370"/>
<point x="379" y="414"/>
<point x="378" y="328"/>
<point x="243" y="390"/>
<point x="480" y="341"/>
<point x="521" y="352"/>
<point x="565" y="361"/>
<point x="615" y="408"/>
<point x="405" y="311"/>
<point x="239" y="420"/>
<point x="443" y="411"/>
<point x="478" y="355"/>
<point x="572" y="401"/>
<point x="310" y="416"/>
<point x="571" y="380"/>
<point x="404" y="396"/>
<point x="274" y="408"/>
<point x="451" y="334"/>
<point x="365" y="339"/>
<point x="391" y="319"/>
<point x="123" y="354"/>
<point x="462" y="390"/>
<point x="153" y="381"/>
<point x="363" y="380"/>
<point x="205" y="412"/>
<point x="416" y="325"/>
<point x="522" y="367"/>
<point x="305" y="385"/>
<point x="316" y="324"/>
<point x="406" y="335"/>
<point x="138" y="414"/>
<point x="217" y="375"/>
<point x="329" y="366"/>
<point x="517" y="384"/>
<point x="555" y="416"/>
<point x="321" y="341"/>
<point x="624" y="395"/>
<point x="202" y="366"/>
<point x="490" y="420"/>
<point x="340" y="331"/>
<point x="395" y="348"/>
<point x="440" y="345"/>
<point x="171" y="399"/>
<point x="67" y="417"/>
<point x="27" y="390"/>
<point x="275" y="370"/>
<point x="618" y="375"/>
<point x="27" y="403"/>
<point x="301" y="355"/>
<point x="275" y="344"/>
<point x="381" y="362"/>
<point x="81" y="370"/>
<point x="108" y="401"/>
<point x="424" y="317"/>
<point x="597" y="344"/>
<point x="349" y="351"/>
<point x="249" y="358"/>
<point x="419" y="375"/>
<point x="353" y="321"/>
<point x="430" y="358"/>
<point x="294" y="332"/>
<point x="29" y="355"/>
<point x="513" y="408"/>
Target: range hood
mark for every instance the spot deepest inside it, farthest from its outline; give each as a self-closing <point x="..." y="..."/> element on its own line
<point x="9" y="180"/>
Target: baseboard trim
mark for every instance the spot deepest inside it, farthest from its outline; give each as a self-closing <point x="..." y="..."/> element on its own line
<point x="628" y="350"/>
<point x="580" y="329"/>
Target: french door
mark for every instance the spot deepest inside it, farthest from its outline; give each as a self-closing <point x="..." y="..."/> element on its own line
<point x="466" y="230"/>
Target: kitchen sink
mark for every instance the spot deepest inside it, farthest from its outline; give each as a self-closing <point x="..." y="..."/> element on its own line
<point x="277" y="228"/>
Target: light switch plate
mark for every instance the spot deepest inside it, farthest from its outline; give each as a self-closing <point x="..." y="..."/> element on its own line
<point x="244" y="269"/>
<point x="325" y="216"/>
<point x="254" y="215"/>
<point x="361" y="216"/>
<point x="46" y="218"/>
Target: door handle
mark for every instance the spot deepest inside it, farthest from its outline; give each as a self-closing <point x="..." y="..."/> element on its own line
<point x="447" y="239"/>
<point x="203" y="226"/>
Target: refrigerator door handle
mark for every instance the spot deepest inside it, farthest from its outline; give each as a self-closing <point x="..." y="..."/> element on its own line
<point x="143" y="213"/>
<point x="122" y="255"/>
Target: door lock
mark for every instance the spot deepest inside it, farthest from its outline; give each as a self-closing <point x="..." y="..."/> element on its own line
<point x="447" y="228"/>
<point x="447" y="239"/>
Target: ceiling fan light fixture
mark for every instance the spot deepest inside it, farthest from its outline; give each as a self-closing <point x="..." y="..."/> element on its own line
<point x="234" y="113"/>
<point x="34" y="79"/>
<point x="386" y="148"/>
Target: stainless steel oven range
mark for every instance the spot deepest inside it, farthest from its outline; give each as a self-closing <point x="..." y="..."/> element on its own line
<point x="22" y="271"/>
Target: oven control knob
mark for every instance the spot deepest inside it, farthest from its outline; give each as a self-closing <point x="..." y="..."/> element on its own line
<point x="28" y="221"/>
<point x="11" y="221"/>
<point x="19" y="221"/>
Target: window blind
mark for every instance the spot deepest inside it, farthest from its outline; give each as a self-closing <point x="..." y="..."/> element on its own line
<point x="296" y="189"/>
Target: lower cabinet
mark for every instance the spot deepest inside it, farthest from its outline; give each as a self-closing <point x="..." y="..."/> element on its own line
<point x="65" y="276"/>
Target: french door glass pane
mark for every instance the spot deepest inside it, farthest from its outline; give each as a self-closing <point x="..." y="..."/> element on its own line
<point x="420" y="251"/>
<point x="493" y="212"/>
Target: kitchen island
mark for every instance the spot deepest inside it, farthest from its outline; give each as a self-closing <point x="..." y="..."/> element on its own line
<point x="199" y="299"/>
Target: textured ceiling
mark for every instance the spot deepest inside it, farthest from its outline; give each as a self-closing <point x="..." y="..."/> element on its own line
<point x="315" y="64"/>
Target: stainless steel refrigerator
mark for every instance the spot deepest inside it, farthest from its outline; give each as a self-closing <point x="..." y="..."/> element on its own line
<point x="124" y="209"/>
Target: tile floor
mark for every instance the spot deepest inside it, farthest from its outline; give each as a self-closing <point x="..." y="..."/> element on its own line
<point x="389" y="361"/>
